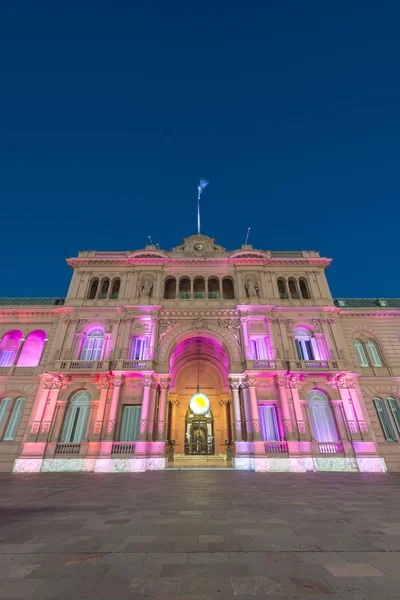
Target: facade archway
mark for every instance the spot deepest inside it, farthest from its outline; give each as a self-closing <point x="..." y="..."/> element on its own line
<point x="199" y="363"/>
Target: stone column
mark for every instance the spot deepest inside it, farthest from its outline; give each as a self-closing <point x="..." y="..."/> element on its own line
<point x="245" y="338"/>
<point x="118" y="382"/>
<point x="103" y="383"/>
<point x="255" y="420"/>
<point x="94" y="407"/>
<point x="42" y="395"/>
<point x="18" y="353"/>
<point x="144" y="416"/>
<point x="59" y="382"/>
<point x="153" y="334"/>
<point x="61" y="407"/>
<point x="295" y="381"/>
<point x="235" y="383"/>
<point x="162" y="408"/>
<point x="152" y="411"/>
<point x="284" y="405"/>
<point x="344" y="384"/>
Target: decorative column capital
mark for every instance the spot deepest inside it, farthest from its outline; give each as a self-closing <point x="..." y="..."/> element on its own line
<point x="294" y="381"/>
<point x="251" y="381"/>
<point x="147" y="382"/>
<point x="118" y="381"/>
<point x="342" y="381"/>
<point x="235" y="381"/>
<point x="280" y="380"/>
<point x="164" y="381"/>
<point x="103" y="382"/>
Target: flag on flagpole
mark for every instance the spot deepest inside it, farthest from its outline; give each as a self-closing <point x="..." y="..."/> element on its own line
<point x="203" y="183"/>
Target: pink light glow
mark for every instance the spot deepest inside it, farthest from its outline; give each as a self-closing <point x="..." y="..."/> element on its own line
<point x="10" y="343"/>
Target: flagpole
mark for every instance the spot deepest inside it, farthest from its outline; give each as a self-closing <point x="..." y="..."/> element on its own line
<point x="198" y="211"/>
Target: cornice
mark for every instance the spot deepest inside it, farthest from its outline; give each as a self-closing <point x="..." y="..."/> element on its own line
<point x="365" y="312"/>
<point x="190" y="261"/>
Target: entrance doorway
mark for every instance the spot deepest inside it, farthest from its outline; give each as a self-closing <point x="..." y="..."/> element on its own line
<point x="199" y="434"/>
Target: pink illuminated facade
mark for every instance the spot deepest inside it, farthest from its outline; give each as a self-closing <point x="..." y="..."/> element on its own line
<point x="289" y="379"/>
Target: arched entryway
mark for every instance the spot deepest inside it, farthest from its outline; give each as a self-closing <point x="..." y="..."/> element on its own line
<point x="203" y="427"/>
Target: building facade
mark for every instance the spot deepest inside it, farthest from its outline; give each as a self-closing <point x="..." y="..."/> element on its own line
<point x="157" y="357"/>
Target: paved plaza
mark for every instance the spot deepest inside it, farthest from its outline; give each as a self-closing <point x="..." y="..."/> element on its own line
<point x="200" y="535"/>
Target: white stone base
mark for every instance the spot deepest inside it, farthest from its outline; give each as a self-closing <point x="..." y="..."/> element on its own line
<point x="304" y="464"/>
<point x="88" y="465"/>
<point x="371" y="464"/>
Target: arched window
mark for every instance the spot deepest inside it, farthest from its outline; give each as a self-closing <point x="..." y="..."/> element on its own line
<point x="170" y="288"/>
<point x="9" y="345"/>
<point x="93" y="289"/>
<point x="306" y="345"/>
<point x="77" y="416"/>
<point x="184" y="288"/>
<point x="283" y="295"/>
<point x="199" y="288"/>
<point x="294" y="294"/>
<point x="92" y="348"/>
<point x="305" y="294"/>
<point x="374" y="354"/>
<point x="362" y="357"/>
<point x="213" y="288"/>
<point x="105" y="284"/>
<point x="115" y="289"/>
<point x="14" y="420"/>
<point x="228" y="290"/>
<point x="322" y="419"/>
<point x="32" y="349"/>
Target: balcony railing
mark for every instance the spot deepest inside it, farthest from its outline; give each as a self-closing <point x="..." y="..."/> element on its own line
<point x="214" y="296"/>
<point x="199" y="295"/>
<point x="122" y="365"/>
<point x="330" y="448"/>
<point x="276" y="448"/>
<point x="82" y="365"/>
<point x="19" y="371"/>
<point x="123" y="448"/>
<point x="184" y="295"/>
<point x="68" y="448"/>
<point x="267" y="364"/>
<point x="315" y="365"/>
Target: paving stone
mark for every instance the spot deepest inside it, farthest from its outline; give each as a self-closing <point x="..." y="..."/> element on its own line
<point x="353" y="570"/>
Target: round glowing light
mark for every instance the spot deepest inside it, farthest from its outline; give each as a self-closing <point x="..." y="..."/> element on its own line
<point x="199" y="404"/>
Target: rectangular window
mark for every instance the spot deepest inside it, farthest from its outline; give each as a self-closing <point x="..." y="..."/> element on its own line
<point x="130" y="423"/>
<point x="269" y="423"/>
<point x="384" y="418"/>
<point x="139" y="348"/>
<point x="6" y="358"/>
<point x="258" y="348"/>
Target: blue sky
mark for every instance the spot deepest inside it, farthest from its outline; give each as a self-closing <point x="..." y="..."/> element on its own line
<point x="112" y="111"/>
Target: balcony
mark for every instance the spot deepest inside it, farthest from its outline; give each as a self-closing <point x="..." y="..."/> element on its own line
<point x="199" y="296"/>
<point x="276" y="448"/>
<point x="331" y="448"/>
<point x="266" y="364"/>
<point x="123" y="448"/>
<point x="82" y="365"/>
<point x="316" y="365"/>
<point x="67" y="448"/>
<point x="129" y="365"/>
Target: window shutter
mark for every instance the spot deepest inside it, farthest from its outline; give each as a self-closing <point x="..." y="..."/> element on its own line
<point x="81" y="424"/>
<point x="68" y="424"/>
<point x="384" y="419"/>
<point x="14" y="421"/>
<point x="394" y="407"/>
<point x="299" y="350"/>
<point x="130" y="423"/>
<point x="308" y="350"/>
<point x="268" y="423"/>
<point x="4" y="404"/>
